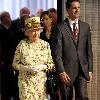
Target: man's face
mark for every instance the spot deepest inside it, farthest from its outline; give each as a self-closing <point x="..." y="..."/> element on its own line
<point x="74" y="10"/>
<point x="7" y="19"/>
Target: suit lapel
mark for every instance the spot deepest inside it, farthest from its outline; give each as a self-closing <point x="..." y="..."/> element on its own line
<point x="80" y="31"/>
<point x="68" y="29"/>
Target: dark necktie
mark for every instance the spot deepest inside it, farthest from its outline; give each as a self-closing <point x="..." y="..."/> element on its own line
<point x="75" y="32"/>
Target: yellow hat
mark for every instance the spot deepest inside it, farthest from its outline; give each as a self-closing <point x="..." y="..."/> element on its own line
<point x="32" y="23"/>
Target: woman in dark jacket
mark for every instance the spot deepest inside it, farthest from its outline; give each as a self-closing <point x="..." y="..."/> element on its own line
<point x="46" y="34"/>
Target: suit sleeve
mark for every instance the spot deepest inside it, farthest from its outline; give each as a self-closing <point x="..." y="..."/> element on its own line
<point x="56" y="48"/>
<point x="89" y="52"/>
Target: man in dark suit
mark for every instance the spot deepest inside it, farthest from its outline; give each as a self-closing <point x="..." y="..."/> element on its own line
<point x="18" y="26"/>
<point x="72" y="53"/>
<point x="5" y="57"/>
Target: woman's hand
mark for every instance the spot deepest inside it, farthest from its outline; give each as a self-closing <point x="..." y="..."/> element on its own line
<point x="52" y="68"/>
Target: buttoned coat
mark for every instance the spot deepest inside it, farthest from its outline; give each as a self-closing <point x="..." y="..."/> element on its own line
<point x="67" y="54"/>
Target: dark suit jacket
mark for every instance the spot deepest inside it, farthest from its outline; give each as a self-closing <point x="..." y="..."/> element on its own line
<point x="67" y="54"/>
<point x="17" y="31"/>
<point x="44" y="37"/>
<point x="4" y="44"/>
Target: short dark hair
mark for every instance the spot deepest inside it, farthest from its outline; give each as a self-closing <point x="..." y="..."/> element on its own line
<point x="69" y="2"/>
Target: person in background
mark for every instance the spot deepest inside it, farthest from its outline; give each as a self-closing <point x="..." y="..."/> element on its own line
<point x="6" y="21"/>
<point x="32" y="58"/>
<point x="46" y="22"/>
<point x="18" y="25"/>
<point x="72" y="53"/>
<point x="5" y="44"/>
<point x="53" y="15"/>
<point x="39" y="12"/>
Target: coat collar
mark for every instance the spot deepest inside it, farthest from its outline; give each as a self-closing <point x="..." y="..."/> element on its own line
<point x="69" y="30"/>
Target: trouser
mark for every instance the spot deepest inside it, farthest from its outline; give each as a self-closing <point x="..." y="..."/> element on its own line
<point x="80" y="86"/>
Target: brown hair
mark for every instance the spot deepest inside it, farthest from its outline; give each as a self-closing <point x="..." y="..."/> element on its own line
<point x="69" y="2"/>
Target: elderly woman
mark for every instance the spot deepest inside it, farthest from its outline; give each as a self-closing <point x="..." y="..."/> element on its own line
<point x="32" y="58"/>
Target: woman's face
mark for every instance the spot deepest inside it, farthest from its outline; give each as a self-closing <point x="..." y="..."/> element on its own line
<point x="46" y="20"/>
<point x="34" y="35"/>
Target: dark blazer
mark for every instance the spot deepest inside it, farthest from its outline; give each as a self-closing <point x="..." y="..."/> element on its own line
<point x="4" y="44"/>
<point x="44" y="37"/>
<point x="17" y="31"/>
<point x="67" y="54"/>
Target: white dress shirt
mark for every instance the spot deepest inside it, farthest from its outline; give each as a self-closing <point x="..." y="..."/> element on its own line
<point x="71" y="23"/>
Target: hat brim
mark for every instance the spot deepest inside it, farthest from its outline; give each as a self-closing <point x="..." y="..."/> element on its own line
<point x="30" y="29"/>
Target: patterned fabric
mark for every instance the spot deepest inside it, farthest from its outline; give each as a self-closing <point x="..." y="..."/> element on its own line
<point x="32" y="84"/>
<point x="75" y="32"/>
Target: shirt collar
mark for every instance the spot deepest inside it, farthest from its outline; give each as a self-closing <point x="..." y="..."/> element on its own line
<point x="71" y="22"/>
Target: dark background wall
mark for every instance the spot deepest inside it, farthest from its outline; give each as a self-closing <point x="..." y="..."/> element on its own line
<point x="90" y="12"/>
